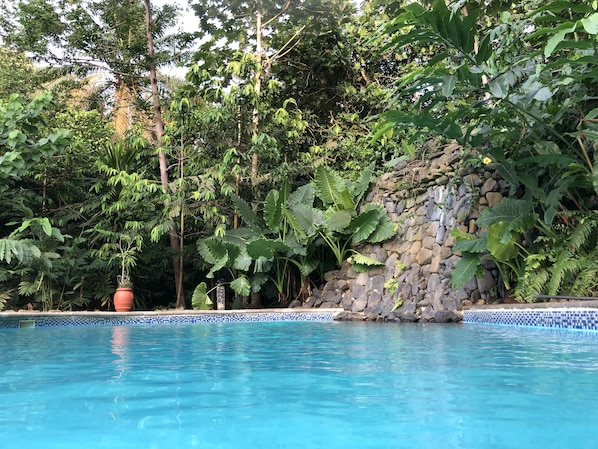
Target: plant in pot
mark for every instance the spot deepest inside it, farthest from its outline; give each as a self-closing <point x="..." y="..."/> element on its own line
<point x="125" y="252"/>
<point x="121" y="249"/>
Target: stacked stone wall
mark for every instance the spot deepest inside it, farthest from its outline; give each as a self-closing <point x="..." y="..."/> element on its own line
<point x="427" y="200"/>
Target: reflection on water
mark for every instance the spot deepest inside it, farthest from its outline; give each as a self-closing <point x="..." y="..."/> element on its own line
<point x="120" y="348"/>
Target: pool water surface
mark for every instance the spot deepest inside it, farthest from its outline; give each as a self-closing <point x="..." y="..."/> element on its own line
<point x="298" y="385"/>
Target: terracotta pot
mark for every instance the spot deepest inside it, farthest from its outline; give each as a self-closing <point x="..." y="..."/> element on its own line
<point x="123" y="299"/>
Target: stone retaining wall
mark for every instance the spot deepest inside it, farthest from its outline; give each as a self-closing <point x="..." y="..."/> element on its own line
<point x="427" y="199"/>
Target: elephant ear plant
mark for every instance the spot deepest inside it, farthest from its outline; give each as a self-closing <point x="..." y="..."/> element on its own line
<point x="291" y="230"/>
<point x="345" y="224"/>
<point x="263" y="250"/>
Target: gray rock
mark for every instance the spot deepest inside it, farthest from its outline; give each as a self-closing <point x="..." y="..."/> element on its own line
<point x="428" y="314"/>
<point x="408" y="317"/>
<point x="328" y="305"/>
<point x="407" y="308"/>
<point x="444" y="316"/>
<point x="359" y="304"/>
<point x="295" y="303"/>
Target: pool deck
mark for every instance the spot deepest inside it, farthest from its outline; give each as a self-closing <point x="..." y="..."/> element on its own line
<point x="24" y="318"/>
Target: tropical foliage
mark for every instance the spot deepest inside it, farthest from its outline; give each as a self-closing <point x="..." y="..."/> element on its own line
<point x="518" y="84"/>
<point x="292" y="232"/>
<point x="253" y="170"/>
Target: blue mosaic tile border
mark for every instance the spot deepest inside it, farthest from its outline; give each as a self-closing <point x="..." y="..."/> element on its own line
<point x="561" y="318"/>
<point x="12" y="322"/>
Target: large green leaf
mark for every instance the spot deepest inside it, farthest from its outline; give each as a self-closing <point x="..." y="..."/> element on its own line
<point x="307" y="266"/>
<point x="303" y="195"/>
<point x="500" y="249"/>
<point x="262" y="265"/>
<point x="273" y="210"/>
<point x="295" y="247"/>
<point x="468" y="266"/>
<point x="385" y="230"/>
<point x="247" y="214"/>
<point x="211" y="250"/>
<point x="363" y="183"/>
<point x="362" y="263"/>
<point x="338" y="221"/>
<point x="308" y="219"/>
<point x="332" y="189"/>
<point x="469" y="242"/>
<point x="200" y="300"/>
<point x="243" y="261"/>
<point x="297" y="230"/>
<point x="558" y="37"/>
<point x="217" y="253"/>
<point x="257" y="281"/>
<point x="241" y="286"/>
<point x="240" y="236"/>
<point x="265" y="248"/>
<point x="363" y="225"/>
<point x="590" y="24"/>
<point x="507" y="210"/>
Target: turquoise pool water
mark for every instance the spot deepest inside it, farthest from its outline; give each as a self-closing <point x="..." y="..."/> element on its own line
<point x="298" y="385"/>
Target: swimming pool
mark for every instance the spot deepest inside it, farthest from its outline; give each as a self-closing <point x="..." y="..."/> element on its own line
<point x="298" y="385"/>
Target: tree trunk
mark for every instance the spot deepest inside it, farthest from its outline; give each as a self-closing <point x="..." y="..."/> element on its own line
<point x="159" y="129"/>
<point x="122" y="108"/>
<point x="258" y="90"/>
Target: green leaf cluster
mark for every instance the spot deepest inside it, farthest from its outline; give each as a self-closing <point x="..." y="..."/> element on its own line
<point x="292" y="227"/>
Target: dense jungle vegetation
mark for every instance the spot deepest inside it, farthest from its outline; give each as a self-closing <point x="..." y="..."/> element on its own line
<point x="250" y="165"/>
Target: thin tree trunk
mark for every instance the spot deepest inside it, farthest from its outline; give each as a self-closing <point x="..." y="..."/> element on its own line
<point x="258" y="90"/>
<point x="237" y="176"/>
<point x="159" y="129"/>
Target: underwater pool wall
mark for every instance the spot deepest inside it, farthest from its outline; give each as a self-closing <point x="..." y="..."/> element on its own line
<point x="567" y="315"/>
<point x="54" y="319"/>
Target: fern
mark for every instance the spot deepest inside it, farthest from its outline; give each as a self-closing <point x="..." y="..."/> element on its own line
<point x="565" y="263"/>
<point x="20" y="249"/>
<point x="586" y="282"/>
<point x="581" y="234"/>
<point x="564" y="267"/>
<point x="534" y="279"/>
